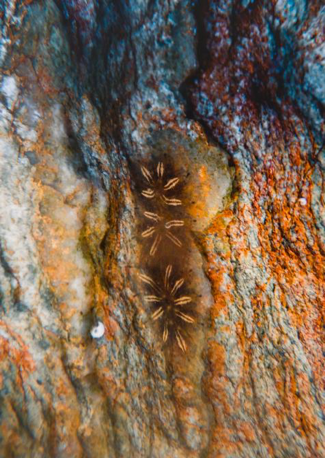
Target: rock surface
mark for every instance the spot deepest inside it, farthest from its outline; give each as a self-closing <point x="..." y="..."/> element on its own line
<point x="229" y="95"/>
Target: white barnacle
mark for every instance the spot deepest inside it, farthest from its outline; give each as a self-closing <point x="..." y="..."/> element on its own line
<point x="98" y="330"/>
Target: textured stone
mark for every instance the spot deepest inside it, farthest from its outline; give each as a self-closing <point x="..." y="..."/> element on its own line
<point x="230" y="96"/>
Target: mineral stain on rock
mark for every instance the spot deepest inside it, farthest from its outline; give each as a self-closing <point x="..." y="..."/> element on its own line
<point x="90" y="92"/>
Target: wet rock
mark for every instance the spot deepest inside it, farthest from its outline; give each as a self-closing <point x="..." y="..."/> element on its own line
<point x="226" y="97"/>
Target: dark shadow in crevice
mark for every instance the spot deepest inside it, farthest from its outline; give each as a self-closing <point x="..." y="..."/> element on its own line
<point x="187" y="87"/>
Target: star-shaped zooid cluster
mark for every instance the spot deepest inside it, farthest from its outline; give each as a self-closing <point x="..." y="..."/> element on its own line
<point x="172" y="310"/>
<point x="159" y="187"/>
<point x="160" y="228"/>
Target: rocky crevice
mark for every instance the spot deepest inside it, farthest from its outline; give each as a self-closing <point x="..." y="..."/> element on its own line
<point x="89" y="92"/>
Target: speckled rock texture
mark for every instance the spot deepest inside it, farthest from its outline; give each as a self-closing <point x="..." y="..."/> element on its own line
<point x="228" y="97"/>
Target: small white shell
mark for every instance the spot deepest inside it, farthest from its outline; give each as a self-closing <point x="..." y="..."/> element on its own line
<point x="97" y="331"/>
<point x="303" y="201"/>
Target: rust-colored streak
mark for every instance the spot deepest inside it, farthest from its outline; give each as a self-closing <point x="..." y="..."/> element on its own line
<point x="13" y="350"/>
<point x="218" y="267"/>
<point x="273" y="239"/>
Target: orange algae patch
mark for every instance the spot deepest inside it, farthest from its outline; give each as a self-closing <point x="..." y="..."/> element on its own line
<point x="291" y="247"/>
<point x="216" y="271"/>
<point x="16" y="352"/>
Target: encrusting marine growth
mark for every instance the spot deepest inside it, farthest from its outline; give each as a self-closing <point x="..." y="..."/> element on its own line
<point x="171" y="311"/>
<point x="161" y="229"/>
<point x="157" y="188"/>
